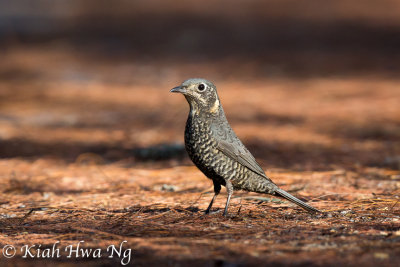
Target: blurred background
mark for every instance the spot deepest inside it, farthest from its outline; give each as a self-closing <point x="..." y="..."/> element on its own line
<point x="307" y="85"/>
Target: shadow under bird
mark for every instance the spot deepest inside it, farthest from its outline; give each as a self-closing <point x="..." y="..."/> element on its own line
<point x="216" y="150"/>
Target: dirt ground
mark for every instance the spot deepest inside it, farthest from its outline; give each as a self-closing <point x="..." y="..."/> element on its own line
<point x="103" y="162"/>
<point x="91" y="141"/>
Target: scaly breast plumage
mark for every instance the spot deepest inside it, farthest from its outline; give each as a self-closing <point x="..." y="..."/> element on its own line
<point x="199" y="145"/>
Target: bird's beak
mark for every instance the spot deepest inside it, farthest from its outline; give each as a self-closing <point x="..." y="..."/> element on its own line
<point x="178" y="89"/>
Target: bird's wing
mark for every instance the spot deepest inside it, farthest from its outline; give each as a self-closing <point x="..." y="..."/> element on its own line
<point x="241" y="156"/>
<point x="229" y="144"/>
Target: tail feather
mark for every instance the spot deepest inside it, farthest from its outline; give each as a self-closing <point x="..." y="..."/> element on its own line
<point x="295" y="200"/>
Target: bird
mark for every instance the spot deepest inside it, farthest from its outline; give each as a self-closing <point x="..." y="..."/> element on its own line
<point x="215" y="149"/>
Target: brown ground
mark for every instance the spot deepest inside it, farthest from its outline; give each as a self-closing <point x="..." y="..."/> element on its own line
<point x="91" y="143"/>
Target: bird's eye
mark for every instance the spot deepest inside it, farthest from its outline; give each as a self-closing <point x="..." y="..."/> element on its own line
<point x="201" y="87"/>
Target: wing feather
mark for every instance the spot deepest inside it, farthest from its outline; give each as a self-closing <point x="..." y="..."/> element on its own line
<point x="238" y="152"/>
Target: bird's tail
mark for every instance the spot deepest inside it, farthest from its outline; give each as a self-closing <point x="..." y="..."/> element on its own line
<point x="295" y="200"/>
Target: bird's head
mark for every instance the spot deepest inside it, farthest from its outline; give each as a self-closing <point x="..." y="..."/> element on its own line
<point x="201" y="95"/>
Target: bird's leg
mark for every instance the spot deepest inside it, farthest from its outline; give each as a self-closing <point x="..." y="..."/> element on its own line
<point x="229" y="189"/>
<point x="217" y="189"/>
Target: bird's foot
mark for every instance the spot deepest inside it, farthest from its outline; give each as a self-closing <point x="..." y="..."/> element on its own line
<point x="208" y="212"/>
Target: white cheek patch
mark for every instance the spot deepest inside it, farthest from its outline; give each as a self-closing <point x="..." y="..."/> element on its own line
<point x="200" y="97"/>
<point x="215" y="107"/>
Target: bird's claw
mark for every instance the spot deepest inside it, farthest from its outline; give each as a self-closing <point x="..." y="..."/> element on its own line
<point x="208" y="212"/>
